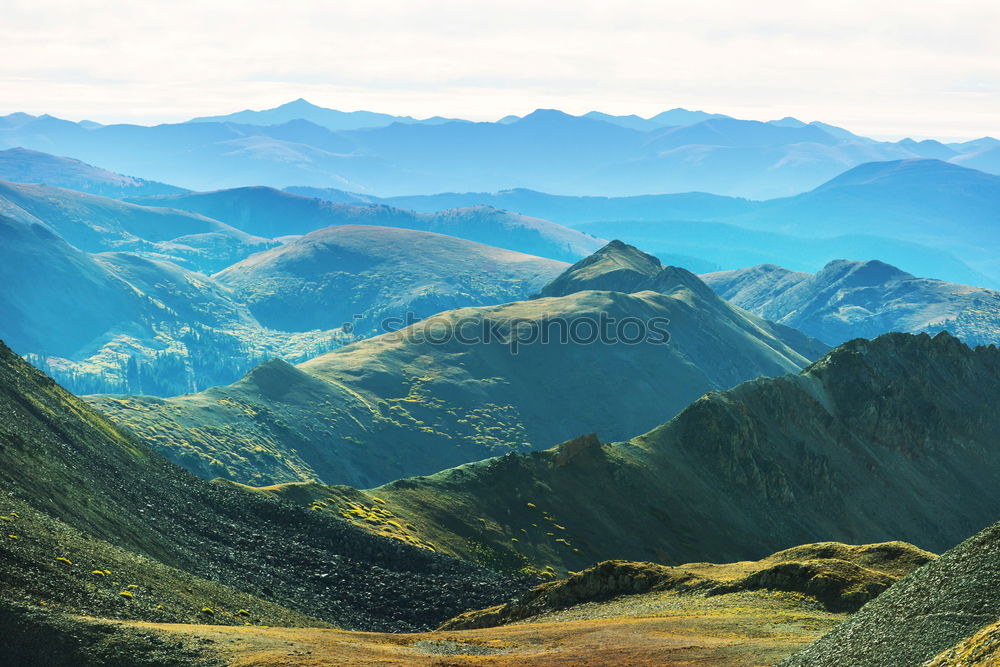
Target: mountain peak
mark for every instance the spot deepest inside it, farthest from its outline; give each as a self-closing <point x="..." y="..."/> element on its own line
<point x="617" y="267"/>
<point x="620" y="267"/>
<point x="870" y="272"/>
<point x="300" y="103"/>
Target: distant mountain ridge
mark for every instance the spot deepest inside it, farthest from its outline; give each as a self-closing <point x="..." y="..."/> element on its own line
<point x="24" y="166"/>
<point x="926" y="216"/>
<point x="331" y="119"/>
<point x="96" y="224"/>
<point x="862" y="300"/>
<point x="548" y="150"/>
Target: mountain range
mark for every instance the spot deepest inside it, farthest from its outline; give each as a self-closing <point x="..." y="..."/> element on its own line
<point x="890" y="438"/>
<point x="416" y="401"/>
<point x="545" y="150"/>
<point x="331" y="119"/>
<point x="908" y="210"/>
<point x="926" y="216"/>
<point x="363" y="274"/>
<point x="861" y="300"/>
<point x="97" y="224"/>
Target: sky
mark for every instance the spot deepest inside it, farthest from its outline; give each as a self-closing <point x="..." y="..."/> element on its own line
<point x="883" y="68"/>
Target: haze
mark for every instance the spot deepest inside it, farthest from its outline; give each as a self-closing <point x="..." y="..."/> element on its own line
<point x="887" y="69"/>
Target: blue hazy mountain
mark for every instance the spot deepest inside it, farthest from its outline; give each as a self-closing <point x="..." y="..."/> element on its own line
<point x="848" y="300"/>
<point x="331" y="119"/>
<point x="21" y="165"/>
<point x="564" y="209"/>
<point x="928" y="202"/>
<point x="928" y="217"/>
<point x="548" y="150"/>
<point x="99" y="224"/>
<point x="272" y="213"/>
<point x="726" y="246"/>
<point x="117" y="321"/>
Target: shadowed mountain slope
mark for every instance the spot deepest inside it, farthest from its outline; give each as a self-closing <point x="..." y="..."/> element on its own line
<point x="273" y="213"/>
<point x="79" y="493"/>
<point x="363" y="274"/>
<point x="891" y="438"/>
<point x="423" y="399"/>
<point x="861" y="299"/>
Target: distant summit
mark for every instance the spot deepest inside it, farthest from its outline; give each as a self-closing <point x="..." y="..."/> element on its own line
<point x="331" y="119"/>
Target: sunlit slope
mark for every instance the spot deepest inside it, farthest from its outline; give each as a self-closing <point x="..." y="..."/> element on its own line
<point x="414" y="403"/>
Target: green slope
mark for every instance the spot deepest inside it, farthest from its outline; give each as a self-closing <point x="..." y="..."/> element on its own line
<point x="407" y="403"/>
<point x="887" y="439"/>
<point x="841" y="577"/>
<point x="84" y="490"/>
<point x="361" y="274"/>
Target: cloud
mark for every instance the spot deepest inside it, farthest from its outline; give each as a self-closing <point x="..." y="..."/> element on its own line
<point x="893" y="67"/>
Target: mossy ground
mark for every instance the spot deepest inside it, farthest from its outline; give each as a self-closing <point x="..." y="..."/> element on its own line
<point x="665" y="628"/>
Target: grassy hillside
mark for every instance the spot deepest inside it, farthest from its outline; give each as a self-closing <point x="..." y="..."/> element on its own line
<point x="841" y="577"/>
<point x="886" y="439"/>
<point x="413" y="403"/>
<point x="363" y="274"/>
<point x="861" y="300"/>
<point x="82" y="495"/>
